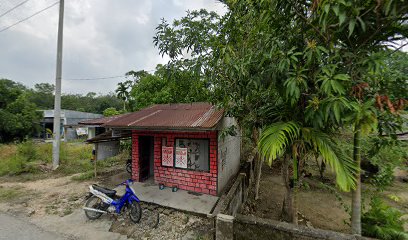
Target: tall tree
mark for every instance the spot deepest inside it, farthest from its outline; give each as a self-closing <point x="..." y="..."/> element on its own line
<point x="168" y="84"/>
<point x="19" y="117"/>
<point x="122" y="92"/>
<point x="265" y="59"/>
<point x="360" y="29"/>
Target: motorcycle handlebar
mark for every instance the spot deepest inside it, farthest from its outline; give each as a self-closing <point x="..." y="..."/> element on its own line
<point x="127" y="182"/>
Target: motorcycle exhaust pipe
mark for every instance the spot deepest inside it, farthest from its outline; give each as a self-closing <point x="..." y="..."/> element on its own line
<point x="94" y="210"/>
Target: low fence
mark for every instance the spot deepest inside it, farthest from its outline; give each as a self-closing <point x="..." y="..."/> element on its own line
<point x="248" y="227"/>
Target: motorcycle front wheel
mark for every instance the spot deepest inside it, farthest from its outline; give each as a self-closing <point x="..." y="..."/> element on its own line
<point x="93" y="202"/>
<point x="135" y="211"/>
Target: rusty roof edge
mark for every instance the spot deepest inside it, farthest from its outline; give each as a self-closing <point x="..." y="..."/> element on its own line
<point x="203" y="118"/>
<point x="155" y="128"/>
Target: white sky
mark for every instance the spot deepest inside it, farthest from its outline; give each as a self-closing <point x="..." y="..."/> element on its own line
<point x="101" y="38"/>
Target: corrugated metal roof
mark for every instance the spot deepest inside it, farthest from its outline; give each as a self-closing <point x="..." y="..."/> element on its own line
<point x="107" y="136"/>
<point x="100" y="121"/>
<point x="170" y="116"/>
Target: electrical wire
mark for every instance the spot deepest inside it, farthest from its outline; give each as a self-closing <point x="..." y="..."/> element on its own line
<point x="18" y="5"/>
<point x="25" y="19"/>
<point x="89" y="79"/>
<point x="99" y="78"/>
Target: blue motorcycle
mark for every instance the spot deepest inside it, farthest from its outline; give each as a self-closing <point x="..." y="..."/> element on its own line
<point x="103" y="200"/>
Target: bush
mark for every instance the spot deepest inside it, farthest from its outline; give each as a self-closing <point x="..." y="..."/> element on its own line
<point x="126" y="146"/>
<point x="19" y="158"/>
<point x="383" y="222"/>
<point x="387" y="154"/>
<point x="27" y="150"/>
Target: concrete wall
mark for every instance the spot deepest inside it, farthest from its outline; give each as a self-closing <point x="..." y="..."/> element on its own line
<point x="106" y="149"/>
<point x="249" y="227"/>
<point x="232" y="226"/>
<point x="70" y="134"/>
<point x="229" y="153"/>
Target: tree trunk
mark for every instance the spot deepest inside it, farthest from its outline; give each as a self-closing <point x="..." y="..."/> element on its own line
<point x="288" y="201"/>
<point x="322" y="168"/>
<point x="297" y="169"/>
<point x="356" y="194"/>
<point x="259" y="164"/>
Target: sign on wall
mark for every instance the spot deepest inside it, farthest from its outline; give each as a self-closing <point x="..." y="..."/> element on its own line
<point x="167" y="156"/>
<point x="181" y="157"/>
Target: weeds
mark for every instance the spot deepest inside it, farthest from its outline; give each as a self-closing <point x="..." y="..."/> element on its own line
<point x="7" y="194"/>
<point x="32" y="158"/>
<point x="84" y="176"/>
<point x="383" y="221"/>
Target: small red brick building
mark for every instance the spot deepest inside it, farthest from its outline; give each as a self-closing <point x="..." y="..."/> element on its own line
<point x="181" y="145"/>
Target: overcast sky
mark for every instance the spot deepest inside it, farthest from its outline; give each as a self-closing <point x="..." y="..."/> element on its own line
<point x="101" y="38"/>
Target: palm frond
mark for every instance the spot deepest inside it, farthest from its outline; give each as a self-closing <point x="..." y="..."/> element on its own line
<point x="275" y="138"/>
<point x="339" y="162"/>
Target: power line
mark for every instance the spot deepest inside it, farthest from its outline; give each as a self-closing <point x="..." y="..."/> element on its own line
<point x="18" y="5"/>
<point x="25" y="19"/>
<point x="100" y="78"/>
<point x="89" y="79"/>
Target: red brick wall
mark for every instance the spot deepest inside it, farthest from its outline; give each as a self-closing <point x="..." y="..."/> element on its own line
<point x="203" y="182"/>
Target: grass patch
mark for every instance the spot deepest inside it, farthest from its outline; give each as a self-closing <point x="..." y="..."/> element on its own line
<point x="35" y="159"/>
<point x="84" y="176"/>
<point x="67" y="211"/>
<point x="101" y="167"/>
<point x="7" y="194"/>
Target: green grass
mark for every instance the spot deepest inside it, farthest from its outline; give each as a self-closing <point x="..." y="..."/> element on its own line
<point x="84" y="176"/>
<point x="35" y="159"/>
<point x="7" y="194"/>
<point x="101" y="167"/>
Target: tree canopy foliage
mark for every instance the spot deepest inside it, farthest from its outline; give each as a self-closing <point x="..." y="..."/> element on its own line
<point x="18" y="115"/>
<point x="299" y="67"/>
<point x="168" y="84"/>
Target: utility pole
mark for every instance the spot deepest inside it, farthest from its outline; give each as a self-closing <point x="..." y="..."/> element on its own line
<point x="57" y="100"/>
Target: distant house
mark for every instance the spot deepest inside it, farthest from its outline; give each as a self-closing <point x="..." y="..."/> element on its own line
<point x="70" y="129"/>
<point x="181" y="145"/>
<point x="106" y="142"/>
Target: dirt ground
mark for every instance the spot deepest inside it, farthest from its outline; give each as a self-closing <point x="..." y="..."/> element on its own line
<point x="318" y="206"/>
<point x="55" y="203"/>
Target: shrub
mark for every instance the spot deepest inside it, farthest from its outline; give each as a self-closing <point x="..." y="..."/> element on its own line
<point x="27" y="150"/>
<point x="383" y="222"/>
<point x="19" y="158"/>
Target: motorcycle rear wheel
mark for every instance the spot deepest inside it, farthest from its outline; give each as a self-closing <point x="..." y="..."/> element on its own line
<point x="93" y="202"/>
<point x="135" y="211"/>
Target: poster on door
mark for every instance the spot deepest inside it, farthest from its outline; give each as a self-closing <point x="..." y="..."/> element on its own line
<point x="167" y="156"/>
<point x="181" y="157"/>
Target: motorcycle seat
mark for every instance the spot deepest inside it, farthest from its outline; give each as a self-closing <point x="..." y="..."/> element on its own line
<point x="107" y="191"/>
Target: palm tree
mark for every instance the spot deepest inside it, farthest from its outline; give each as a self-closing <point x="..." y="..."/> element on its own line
<point x="122" y="93"/>
<point x="294" y="142"/>
<point x="364" y="119"/>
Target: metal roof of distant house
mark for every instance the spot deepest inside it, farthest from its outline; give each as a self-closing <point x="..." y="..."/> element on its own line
<point x="170" y="116"/>
<point x="100" y="121"/>
<point x="107" y="136"/>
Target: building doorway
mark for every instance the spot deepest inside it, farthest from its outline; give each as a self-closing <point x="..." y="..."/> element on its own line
<point x="146" y="157"/>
